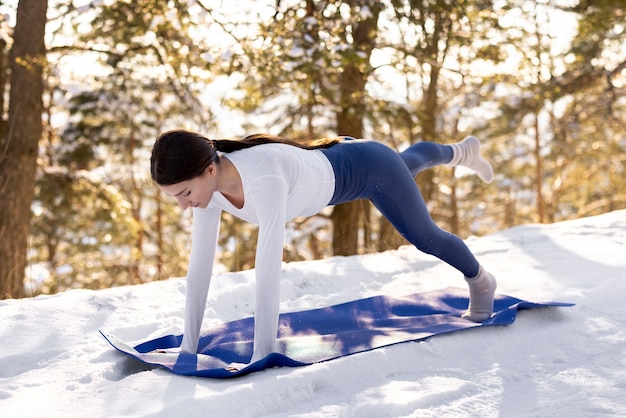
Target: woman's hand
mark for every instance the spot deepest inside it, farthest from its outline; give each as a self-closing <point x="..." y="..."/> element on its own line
<point x="173" y="350"/>
<point x="235" y="367"/>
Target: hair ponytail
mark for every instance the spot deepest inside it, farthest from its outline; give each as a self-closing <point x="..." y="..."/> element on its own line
<point x="181" y="155"/>
<point x="229" y="145"/>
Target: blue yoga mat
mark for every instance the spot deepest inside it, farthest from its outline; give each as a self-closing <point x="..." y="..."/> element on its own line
<point x="327" y="333"/>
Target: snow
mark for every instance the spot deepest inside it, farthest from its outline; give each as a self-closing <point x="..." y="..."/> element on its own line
<point x="552" y="362"/>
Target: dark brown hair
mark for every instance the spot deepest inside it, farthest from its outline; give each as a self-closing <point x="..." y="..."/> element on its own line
<point x="181" y="155"/>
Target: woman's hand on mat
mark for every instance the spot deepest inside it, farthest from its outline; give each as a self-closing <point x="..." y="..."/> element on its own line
<point x="235" y="367"/>
<point x="173" y="350"/>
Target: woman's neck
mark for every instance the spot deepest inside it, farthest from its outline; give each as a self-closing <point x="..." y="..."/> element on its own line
<point x="229" y="183"/>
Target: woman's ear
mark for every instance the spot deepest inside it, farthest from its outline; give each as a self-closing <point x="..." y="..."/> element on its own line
<point x="211" y="169"/>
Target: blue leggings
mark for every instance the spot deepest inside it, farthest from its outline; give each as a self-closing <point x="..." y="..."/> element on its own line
<point x="370" y="170"/>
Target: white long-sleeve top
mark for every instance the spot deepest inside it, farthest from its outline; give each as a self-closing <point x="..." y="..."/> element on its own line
<point x="280" y="182"/>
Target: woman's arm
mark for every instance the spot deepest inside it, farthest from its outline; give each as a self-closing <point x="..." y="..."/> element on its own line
<point x="269" y="197"/>
<point x="204" y="235"/>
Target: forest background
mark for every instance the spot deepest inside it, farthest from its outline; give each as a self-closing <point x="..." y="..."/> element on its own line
<point x="88" y="85"/>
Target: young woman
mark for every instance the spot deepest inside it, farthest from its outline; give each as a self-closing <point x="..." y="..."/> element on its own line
<point x="269" y="181"/>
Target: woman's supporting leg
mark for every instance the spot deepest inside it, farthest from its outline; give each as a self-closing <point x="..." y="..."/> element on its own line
<point x="400" y="201"/>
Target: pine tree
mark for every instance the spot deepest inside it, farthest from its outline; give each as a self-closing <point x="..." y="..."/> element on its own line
<point x="19" y="143"/>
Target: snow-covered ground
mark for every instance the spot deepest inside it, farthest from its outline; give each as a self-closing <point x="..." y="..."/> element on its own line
<point x="553" y="362"/>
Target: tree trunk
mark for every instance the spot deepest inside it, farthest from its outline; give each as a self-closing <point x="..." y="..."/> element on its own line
<point x="541" y="212"/>
<point x="4" y="72"/>
<point x="19" y="144"/>
<point x="427" y="115"/>
<point x="346" y="217"/>
<point x="136" y="197"/>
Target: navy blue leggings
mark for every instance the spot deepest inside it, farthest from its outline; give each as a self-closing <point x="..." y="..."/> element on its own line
<point x="370" y="170"/>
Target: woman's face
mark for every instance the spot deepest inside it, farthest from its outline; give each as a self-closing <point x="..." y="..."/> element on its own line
<point x="194" y="193"/>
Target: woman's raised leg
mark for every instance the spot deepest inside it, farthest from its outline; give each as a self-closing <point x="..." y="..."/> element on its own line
<point x="424" y="155"/>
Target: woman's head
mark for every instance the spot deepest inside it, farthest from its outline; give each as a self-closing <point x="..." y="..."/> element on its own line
<point x="179" y="156"/>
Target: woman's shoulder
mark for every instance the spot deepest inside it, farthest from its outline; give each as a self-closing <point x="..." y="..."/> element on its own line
<point x="265" y="154"/>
